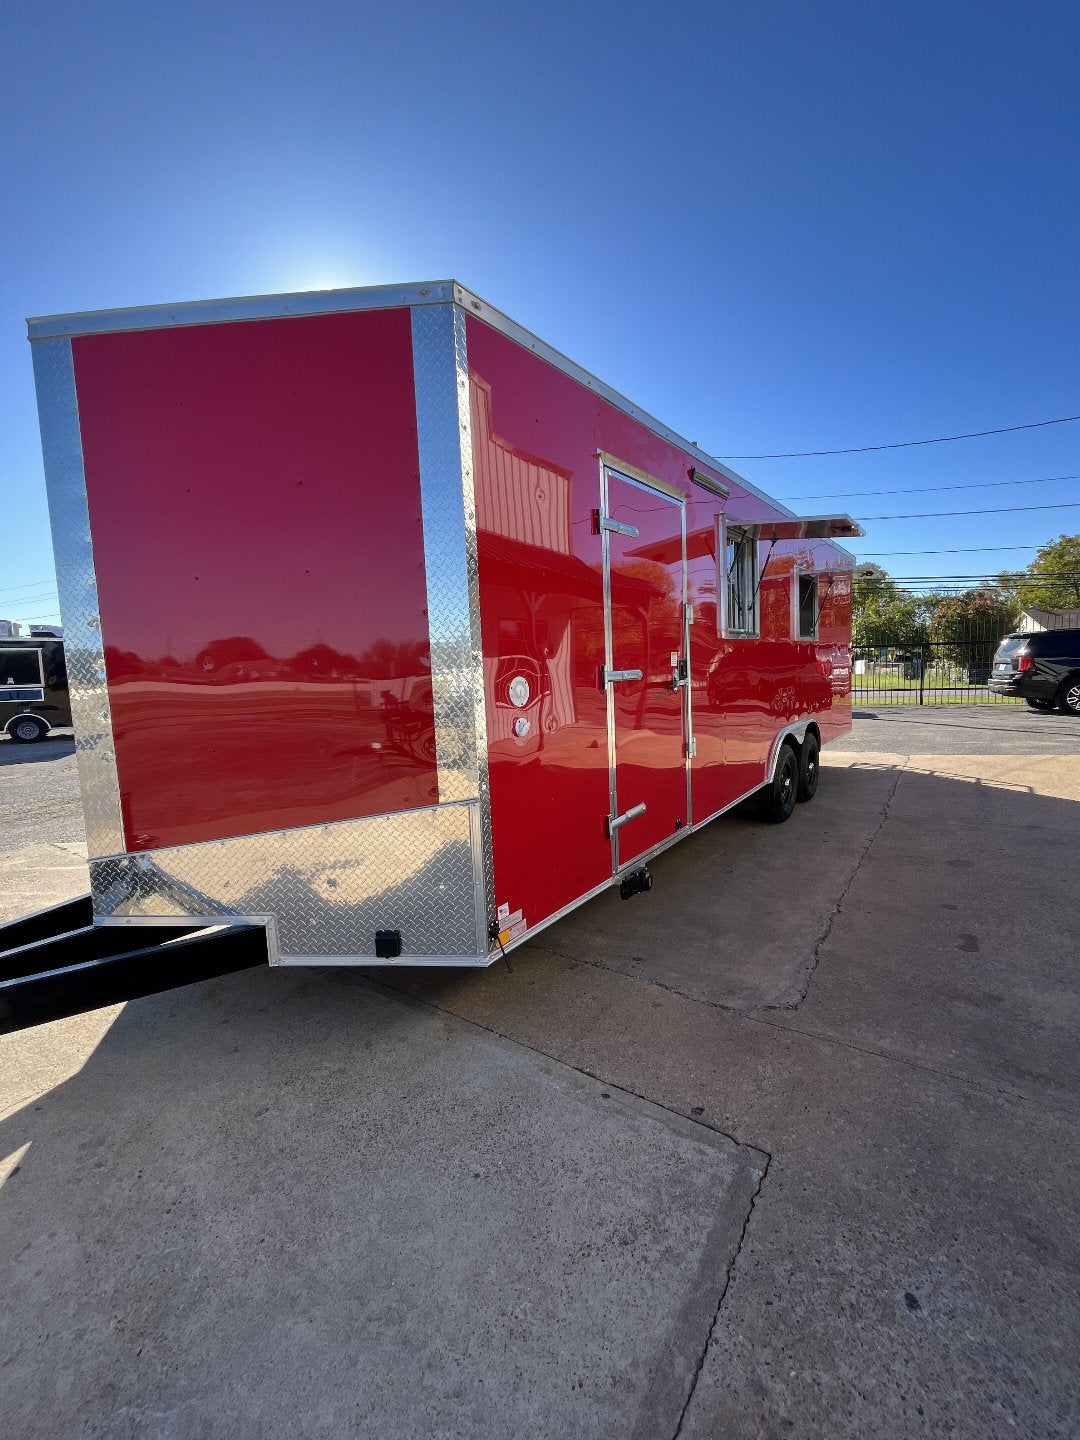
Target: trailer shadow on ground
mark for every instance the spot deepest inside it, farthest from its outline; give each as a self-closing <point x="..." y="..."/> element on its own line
<point x="53" y="748"/>
<point x="293" y="1202"/>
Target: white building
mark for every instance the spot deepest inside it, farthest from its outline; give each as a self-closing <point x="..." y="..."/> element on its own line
<point x="1035" y="618"/>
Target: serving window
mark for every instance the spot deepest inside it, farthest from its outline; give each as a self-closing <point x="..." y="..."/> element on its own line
<point x="809" y="603"/>
<point x="21" y="676"/>
<point x="740" y="589"/>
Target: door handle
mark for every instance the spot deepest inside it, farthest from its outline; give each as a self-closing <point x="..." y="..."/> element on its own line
<point x="611" y="677"/>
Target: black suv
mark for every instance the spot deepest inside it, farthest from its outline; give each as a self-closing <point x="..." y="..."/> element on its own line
<point x="1042" y="667"/>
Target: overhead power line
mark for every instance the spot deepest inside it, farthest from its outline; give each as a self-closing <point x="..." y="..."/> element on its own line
<point x="29" y="599"/>
<point x="984" y="576"/>
<point x="962" y="550"/>
<point x="926" y="489"/>
<point x="904" y="444"/>
<point x="30" y="585"/>
<point x="1004" y="510"/>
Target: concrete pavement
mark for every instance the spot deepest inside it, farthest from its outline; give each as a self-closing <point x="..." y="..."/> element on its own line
<point x="785" y="1148"/>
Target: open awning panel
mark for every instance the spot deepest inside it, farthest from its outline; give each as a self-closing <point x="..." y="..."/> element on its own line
<point x="789" y="527"/>
<point x="802" y="527"/>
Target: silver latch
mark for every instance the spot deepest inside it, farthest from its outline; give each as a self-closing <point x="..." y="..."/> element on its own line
<point x="616" y="527"/>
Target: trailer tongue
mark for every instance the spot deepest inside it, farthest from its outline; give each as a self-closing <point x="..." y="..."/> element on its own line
<point x="57" y="963"/>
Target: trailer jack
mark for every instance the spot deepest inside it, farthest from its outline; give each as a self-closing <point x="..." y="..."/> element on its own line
<point x="636" y="883"/>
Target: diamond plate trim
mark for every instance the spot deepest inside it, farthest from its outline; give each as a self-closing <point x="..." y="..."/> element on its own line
<point x="65" y="479"/>
<point x="329" y="887"/>
<point x="444" y="430"/>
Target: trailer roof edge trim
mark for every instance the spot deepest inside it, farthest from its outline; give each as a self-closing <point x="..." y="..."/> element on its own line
<point x="372" y="297"/>
<point x="501" y="321"/>
<point x="243" y="307"/>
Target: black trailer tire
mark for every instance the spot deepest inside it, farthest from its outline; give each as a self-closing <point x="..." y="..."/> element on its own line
<point x="1043" y="705"/>
<point x="1068" y="697"/>
<point x="776" y="801"/>
<point x="27" y="729"/>
<point x="809" y="769"/>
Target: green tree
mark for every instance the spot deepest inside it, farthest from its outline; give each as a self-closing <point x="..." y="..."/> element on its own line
<point x="1051" y="581"/>
<point x="883" y="612"/>
<point x="966" y="629"/>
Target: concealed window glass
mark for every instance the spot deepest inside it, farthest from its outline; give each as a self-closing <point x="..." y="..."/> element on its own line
<point x="742" y="584"/>
<point x="20" y="675"/>
<point x="808" y="607"/>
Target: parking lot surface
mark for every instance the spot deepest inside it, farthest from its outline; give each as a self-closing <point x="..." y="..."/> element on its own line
<point x="786" y="1147"/>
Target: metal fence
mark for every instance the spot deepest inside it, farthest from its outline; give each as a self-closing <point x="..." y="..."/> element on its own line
<point x="911" y="671"/>
<point x="942" y="654"/>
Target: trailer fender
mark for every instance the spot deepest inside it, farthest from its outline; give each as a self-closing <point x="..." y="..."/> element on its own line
<point x="796" y="731"/>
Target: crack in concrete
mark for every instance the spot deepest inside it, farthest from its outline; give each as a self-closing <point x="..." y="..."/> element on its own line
<point x="755" y="1150"/>
<point x="578" y="1069"/>
<point x="826" y="931"/>
<point x="729" y="1273"/>
<point x="888" y="1056"/>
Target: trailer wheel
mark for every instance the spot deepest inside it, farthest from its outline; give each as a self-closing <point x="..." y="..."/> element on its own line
<point x="777" y="800"/>
<point x="809" y="769"/>
<point x="26" y="729"/>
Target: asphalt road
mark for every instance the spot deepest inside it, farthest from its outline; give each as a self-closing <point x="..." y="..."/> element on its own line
<point x="39" y="793"/>
<point x="962" y="730"/>
<point x="42" y="849"/>
<point x="787" y="1147"/>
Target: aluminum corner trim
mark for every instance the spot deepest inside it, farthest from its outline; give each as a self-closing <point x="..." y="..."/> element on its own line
<point x="65" y="480"/>
<point x="447" y="499"/>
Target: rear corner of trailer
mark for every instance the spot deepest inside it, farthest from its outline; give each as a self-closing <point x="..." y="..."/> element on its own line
<point x="239" y="536"/>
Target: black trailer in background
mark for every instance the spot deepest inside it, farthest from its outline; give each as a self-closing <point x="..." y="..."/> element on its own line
<point x="34" y="695"/>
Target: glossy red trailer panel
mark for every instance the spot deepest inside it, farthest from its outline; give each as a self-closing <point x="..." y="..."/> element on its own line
<point x="254" y="500"/>
<point x="539" y="436"/>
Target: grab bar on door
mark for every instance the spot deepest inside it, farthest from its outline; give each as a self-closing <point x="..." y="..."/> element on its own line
<point x="616" y="822"/>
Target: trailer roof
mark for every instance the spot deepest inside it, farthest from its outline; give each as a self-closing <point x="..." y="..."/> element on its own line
<point x="381" y="297"/>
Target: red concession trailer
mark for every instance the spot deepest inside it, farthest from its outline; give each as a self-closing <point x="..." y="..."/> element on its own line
<point x="395" y="634"/>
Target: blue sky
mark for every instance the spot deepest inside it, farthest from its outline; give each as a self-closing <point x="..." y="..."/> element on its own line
<point x="792" y="227"/>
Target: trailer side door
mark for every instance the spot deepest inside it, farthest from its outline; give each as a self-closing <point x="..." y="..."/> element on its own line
<point x="645" y="593"/>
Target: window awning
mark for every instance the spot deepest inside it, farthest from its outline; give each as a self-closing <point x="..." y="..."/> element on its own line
<point x="788" y="527"/>
<point x="800" y="527"/>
